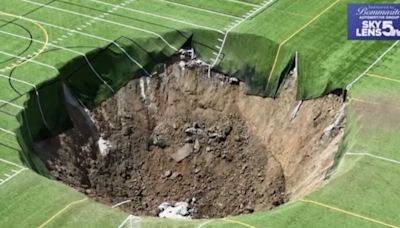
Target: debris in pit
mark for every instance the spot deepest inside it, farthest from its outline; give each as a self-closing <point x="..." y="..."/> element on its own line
<point x="104" y="146"/>
<point x="180" y="210"/>
<point x="183" y="152"/>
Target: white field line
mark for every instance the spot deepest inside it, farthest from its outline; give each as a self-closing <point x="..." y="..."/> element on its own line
<point x="243" y="3"/>
<point x="7" y="131"/>
<point x="89" y="23"/>
<point x="121" y="203"/>
<point x="104" y="20"/>
<point x="11" y="104"/>
<point x="130" y="221"/>
<point x="374" y="156"/>
<point x="12" y="176"/>
<point x="159" y="16"/>
<point x="65" y="49"/>
<point x="36" y="92"/>
<point x="94" y="37"/>
<point x="11" y="163"/>
<point x="201" y="9"/>
<point x="205" y="223"/>
<point x="349" y="86"/>
<point x="235" y="24"/>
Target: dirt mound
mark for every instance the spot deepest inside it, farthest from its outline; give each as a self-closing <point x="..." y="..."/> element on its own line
<point x="182" y="136"/>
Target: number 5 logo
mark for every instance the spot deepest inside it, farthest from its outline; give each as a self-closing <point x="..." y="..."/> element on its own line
<point x="388" y="29"/>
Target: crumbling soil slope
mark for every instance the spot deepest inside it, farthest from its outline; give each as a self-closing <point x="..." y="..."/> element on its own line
<point x="181" y="135"/>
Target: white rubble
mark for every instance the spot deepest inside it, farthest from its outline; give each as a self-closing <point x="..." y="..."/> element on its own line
<point x="104" y="146"/>
<point x="179" y="211"/>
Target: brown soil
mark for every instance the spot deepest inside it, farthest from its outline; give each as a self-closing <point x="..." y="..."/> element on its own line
<point x="237" y="153"/>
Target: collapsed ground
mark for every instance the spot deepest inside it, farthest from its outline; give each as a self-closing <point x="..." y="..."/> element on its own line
<point x="183" y="136"/>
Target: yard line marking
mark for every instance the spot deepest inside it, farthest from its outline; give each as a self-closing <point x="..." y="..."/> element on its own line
<point x="12" y="176"/>
<point x="11" y="104"/>
<point x="235" y="25"/>
<point x="243" y="3"/>
<point x="349" y="213"/>
<point x="297" y="32"/>
<point x="65" y="49"/>
<point x="11" y="163"/>
<point x="382" y="77"/>
<point x="349" y="86"/>
<point x="374" y="156"/>
<point x="37" y="53"/>
<point x="239" y="222"/>
<point x="7" y="131"/>
<point x="159" y="16"/>
<point x="61" y="211"/>
<point x="7" y="77"/>
<point x="95" y="37"/>
<point x="200" y="9"/>
<point x="104" y="20"/>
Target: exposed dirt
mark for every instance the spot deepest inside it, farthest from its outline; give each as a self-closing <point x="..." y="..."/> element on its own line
<point x="180" y="135"/>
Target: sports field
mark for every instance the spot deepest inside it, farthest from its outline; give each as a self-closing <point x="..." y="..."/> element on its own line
<point x="43" y="40"/>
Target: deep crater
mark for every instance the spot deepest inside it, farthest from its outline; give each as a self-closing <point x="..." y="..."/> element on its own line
<point x="182" y="136"/>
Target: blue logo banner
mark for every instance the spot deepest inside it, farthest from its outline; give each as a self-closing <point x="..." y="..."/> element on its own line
<point x="373" y="21"/>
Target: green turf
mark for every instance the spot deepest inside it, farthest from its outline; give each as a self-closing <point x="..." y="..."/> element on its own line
<point x="361" y="184"/>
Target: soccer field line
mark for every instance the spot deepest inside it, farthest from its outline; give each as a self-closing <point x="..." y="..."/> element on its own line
<point x="382" y="77"/>
<point x="9" y="177"/>
<point x="200" y="9"/>
<point x="159" y="16"/>
<point x="374" y="156"/>
<point x="349" y="213"/>
<point x="94" y="37"/>
<point x="65" y="49"/>
<point x="238" y="222"/>
<point x="235" y="24"/>
<point x="349" y="86"/>
<point x="11" y="104"/>
<point x="7" y="131"/>
<point x="104" y="20"/>
<point x="35" y="54"/>
<point x="297" y="32"/>
<point x="61" y="211"/>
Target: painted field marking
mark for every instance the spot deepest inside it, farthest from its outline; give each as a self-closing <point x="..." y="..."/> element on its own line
<point x="374" y="156"/>
<point x="201" y="9"/>
<point x="368" y="102"/>
<point x="9" y="177"/>
<point x="349" y="86"/>
<point x="297" y="32"/>
<point x="349" y="213"/>
<point x="121" y="203"/>
<point x="104" y="20"/>
<point x="65" y="49"/>
<point x="72" y="31"/>
<point x="236" y="24"/>
<point x="159" y="16"/>
<point x="7" y="131"/>
<point x="382" y="77"/>
<point x="242" y="3"/>
<point x="61" y="211"/>
<point x="11" y="104"/>
<point x="238" y="222"/>
<point x="205" y="223"/>
<point x="12" y="163"/>
<point x="36" y="53"/>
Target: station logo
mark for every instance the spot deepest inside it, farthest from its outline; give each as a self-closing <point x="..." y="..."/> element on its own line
<point x="373" y="21"/>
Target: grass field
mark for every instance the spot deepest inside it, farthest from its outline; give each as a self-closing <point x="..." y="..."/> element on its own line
<point x="37" y="38"/>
